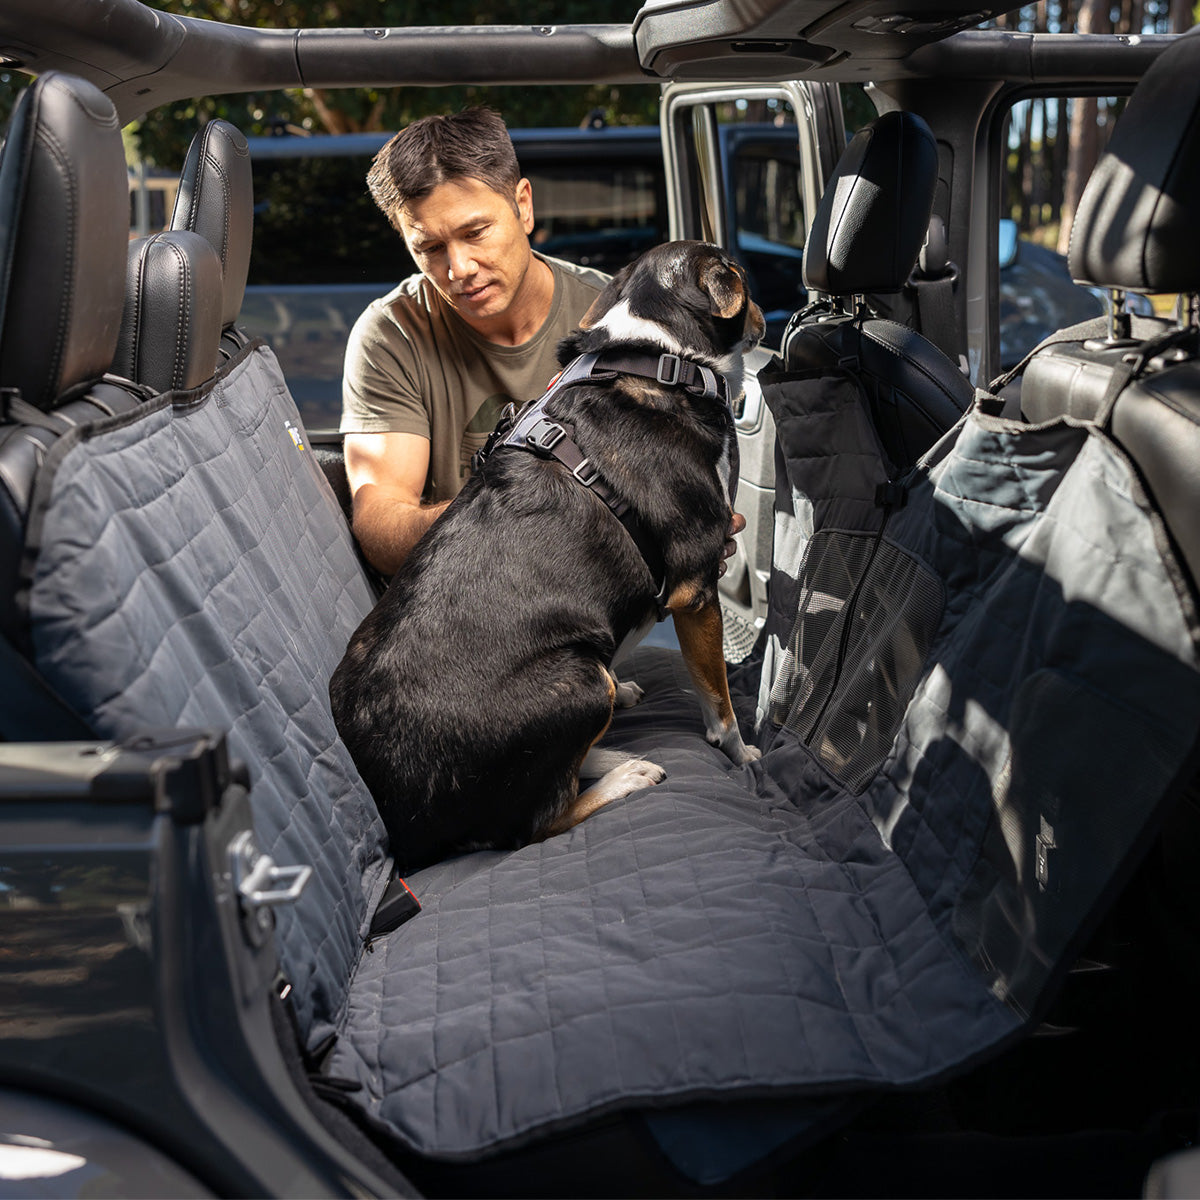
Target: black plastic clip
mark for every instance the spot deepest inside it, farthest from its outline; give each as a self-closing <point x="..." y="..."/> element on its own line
<point x="544" y="436"/>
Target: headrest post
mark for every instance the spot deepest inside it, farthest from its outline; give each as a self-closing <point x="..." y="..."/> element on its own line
<point x="1120" y="322"/>
<point x="1189" y="310"/>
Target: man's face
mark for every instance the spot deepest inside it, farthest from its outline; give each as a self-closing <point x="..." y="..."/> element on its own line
<point x="473" y="244"/>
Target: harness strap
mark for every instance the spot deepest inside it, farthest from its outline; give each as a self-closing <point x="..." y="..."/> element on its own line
<point x="532" y="430"/>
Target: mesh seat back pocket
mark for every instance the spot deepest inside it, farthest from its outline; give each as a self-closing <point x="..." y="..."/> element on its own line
<point x="865" y="621"/>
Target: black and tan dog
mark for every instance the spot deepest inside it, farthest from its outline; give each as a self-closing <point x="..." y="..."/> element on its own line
<point x="472" y="697"/>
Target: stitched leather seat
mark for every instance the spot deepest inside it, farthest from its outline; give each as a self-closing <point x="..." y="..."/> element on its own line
<point x="1134" y="232"/>
<point x="172" y="316"/>
<point x="866" y="236"/>
<point x="65" y="197"/>
<point x="64" y="209"/>
<point x="216" y="200"/>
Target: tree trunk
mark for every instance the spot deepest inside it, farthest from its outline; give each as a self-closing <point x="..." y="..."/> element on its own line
<point x="1180" y="16"/>
<point x="1085" y="134"/>
<point x="1026" y="169"/>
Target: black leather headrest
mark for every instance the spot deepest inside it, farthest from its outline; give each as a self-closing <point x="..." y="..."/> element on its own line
<point x="172" y="323"/>
<point x="1135" y="227"/>
<point x="216" y="200"/>
<point x="64" y="226"/>
<point x="874" y="214"/>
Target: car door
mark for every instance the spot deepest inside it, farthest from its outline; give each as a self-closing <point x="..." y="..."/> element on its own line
<point x="745" y="167"/>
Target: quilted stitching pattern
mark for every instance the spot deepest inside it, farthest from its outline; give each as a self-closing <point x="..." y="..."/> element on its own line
<point x="194" y="569"/>
<point x="739" y="929"/>
<point x="699" y="937"/>
<point x="731" y="930"/>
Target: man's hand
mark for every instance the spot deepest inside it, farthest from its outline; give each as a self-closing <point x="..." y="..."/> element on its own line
<point x="736" y="525"/>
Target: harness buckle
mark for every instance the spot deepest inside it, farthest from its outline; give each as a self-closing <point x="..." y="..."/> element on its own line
<point x="592" y="473"/>
<point x="544" y="436"/>
<point x="670" y="369"/>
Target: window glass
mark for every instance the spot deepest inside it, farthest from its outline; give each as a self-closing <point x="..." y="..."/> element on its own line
<point x="1051" y="144"/>
<point x="761" y="176"/>
<point x="315" y="223"/>
<point x="600" y="214"/>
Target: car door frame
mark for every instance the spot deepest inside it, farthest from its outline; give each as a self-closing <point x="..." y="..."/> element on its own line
<point x="698" y="207"/>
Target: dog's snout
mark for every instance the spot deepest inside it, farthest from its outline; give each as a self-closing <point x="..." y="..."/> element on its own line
<point x="756" y="323"/>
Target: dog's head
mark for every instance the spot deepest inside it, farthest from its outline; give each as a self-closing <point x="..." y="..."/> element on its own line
<point x="685" y="298"/>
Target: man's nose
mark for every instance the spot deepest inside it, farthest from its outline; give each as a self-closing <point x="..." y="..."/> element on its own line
<point x="462" y="265"/>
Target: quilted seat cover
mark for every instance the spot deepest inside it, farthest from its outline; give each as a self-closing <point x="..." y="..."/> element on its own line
<point x="194" y="569"/>
<point x="979" y="690"/>
<point x="976" y="700"/>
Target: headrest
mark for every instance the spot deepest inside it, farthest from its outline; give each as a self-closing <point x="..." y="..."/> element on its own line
<point x="874" y="214"/>
<point x="216" y="200"/>
<point x="172" y="323"/>
<point x="64" y="226"/>
<point x="1135" y="227"/>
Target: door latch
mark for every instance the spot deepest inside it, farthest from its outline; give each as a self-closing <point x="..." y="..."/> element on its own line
<point x="261" y="885"/>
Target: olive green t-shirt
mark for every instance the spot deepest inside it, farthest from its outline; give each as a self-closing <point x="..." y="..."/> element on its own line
<point x="413" y="365"/>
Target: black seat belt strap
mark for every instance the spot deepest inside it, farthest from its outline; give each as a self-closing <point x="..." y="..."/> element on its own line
<point x="30" y="710"/>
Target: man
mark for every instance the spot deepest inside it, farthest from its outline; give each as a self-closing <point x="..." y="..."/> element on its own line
<point x="431" y="365"/>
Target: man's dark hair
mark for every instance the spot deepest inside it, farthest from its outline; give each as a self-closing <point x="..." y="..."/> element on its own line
<point x="472" y="144"/>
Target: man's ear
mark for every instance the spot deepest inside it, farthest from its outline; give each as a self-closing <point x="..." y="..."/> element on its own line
<point x="724" y="286"/>
<point x="523" y="198"/>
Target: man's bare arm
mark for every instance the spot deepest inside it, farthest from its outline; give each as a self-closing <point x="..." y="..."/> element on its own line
<point x="387" y="473"/>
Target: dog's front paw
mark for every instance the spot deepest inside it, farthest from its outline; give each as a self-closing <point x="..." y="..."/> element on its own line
<point x="628" y="694"/>
<point x="729" y="742"/>
<point x="646" y="773"/>
<point x="630" y="776"/>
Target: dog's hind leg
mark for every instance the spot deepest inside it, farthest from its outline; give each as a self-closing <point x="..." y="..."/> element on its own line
<point x="616" y="773"/>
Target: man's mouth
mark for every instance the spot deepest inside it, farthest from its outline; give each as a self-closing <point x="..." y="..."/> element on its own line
<point x="472" y="295"/>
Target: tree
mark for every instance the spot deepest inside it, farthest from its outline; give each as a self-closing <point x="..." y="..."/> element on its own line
<point x="1084" y="150"/>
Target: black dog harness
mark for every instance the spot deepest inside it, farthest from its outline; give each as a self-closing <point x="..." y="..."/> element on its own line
<point x="531" y="429"/>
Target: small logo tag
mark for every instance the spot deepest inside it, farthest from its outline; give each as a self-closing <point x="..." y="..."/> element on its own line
<point x="1042" y="846"/>
<point x="297" y="440"/>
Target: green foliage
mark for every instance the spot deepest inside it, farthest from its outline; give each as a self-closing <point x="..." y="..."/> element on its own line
<point x="163" y="135"/>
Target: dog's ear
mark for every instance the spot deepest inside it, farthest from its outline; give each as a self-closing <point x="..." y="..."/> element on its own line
<point x="724" y="286"/>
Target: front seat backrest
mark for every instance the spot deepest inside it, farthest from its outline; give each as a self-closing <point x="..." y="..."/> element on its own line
<point x="64" y="228"/>
<point x="1134" y="230"/>
<point x="216" y="200"/>
<point x="866" y="236"/>
<point x="64" y="200"/>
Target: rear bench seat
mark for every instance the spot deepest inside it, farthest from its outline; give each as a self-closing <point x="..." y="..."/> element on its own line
<point x="985" y="690"/>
